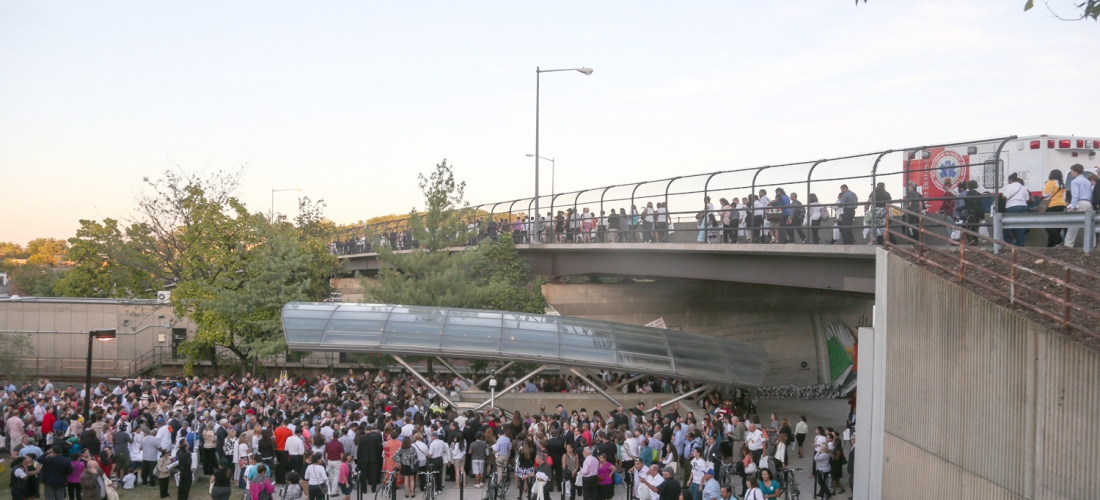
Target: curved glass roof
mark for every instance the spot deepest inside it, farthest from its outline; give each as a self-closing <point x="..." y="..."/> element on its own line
<point x="511" y="336"/>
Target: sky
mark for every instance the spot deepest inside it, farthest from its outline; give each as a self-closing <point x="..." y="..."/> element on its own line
<point x="349" y="101"/>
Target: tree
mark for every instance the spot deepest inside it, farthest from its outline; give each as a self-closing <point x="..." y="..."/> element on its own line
<point x="443" y="223"/>
<point x="12" y="250"/>
<point x="109" y="263"/>
<point x="37" y="280"/>
<point x="46" y="251"/>
<point x="14" y="346"/>
<point x="491" y="276"/>
<point x="239" y="270"/>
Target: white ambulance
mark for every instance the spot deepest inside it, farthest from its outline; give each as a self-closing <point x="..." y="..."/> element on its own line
<point x="1033" y="157"/>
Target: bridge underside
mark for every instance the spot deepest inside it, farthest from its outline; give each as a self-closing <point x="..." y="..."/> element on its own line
<point x="828" y="267"/>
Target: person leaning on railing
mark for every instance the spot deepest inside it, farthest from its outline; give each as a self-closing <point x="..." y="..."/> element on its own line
<point x="1016" y="197"/>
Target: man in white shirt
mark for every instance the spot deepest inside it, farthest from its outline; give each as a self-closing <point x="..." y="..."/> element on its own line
<point x="755" y="440"/>
<point x="296" y="449"/>
<point x="653" y="477"/>
<point x="438" y="451"/>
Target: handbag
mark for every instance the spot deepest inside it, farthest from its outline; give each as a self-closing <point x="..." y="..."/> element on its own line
<point x="765" y="462"/>
<point x="751" y="468"/>
<point x="1045" y="204"/>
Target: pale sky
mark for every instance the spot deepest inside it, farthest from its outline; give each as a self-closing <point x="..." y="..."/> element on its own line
<point x="350" y="100"/>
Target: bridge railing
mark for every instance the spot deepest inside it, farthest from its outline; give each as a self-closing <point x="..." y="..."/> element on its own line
<point x="1056" y="290"/>
<point x="937" y="168"/>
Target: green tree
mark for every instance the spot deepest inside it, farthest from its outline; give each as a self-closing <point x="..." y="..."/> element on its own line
<point x="109" y="263"/>
<point x="238" y="270"/>
<point x="46" y="251"/>
<point x="491" y="276"/>
<point x="37" y="280"/>
<point x="14" y="346"/>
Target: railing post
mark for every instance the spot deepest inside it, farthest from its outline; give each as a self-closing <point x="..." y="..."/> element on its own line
<point x="1012" y="282"/>
<point x="920" y="238"/>
<point x="998" y="230"/>
<point x="1090" y="230"/>
<point x="886" y="234"/>
<point x="809" y="177"/>
<point x="962" y="253"/>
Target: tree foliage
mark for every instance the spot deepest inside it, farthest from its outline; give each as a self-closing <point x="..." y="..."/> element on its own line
<point x="1087" y="9"/>
<point x="109" y="262"/>
<point x="12" y="347"/>
<point x="492" y="276"/>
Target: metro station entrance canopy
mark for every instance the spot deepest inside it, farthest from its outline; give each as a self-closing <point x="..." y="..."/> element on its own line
<point x="522" y="337"/>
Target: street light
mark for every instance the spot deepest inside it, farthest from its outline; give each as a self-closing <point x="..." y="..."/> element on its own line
<point x="538" y="74"/>
<point x="553" y="174"/>
<point x="104" y="335"/>
<point x="493" y="393"/>
<point x="271" y="218"/>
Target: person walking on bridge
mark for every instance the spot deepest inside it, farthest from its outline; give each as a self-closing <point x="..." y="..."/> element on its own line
<point x="848" y="202"/>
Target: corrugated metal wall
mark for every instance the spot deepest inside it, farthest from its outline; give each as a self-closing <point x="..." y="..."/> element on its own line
<point x="981" y="402"/>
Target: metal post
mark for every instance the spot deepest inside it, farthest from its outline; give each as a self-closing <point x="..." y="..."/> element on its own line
<point x="761" y="169"/>
<point x="874" y="182"/>
<point x="685" y="395"/>
<point x="997" y="167"/>
<point x="594" y="386"/>
<point x="537" y="81"/>
<point x="1090" y="229"/>
<point x="809" y="177"/>
<point x="498" y="370"/>
<point x="87" y="385"/>
<point x="620" y="386"/>
<point x="442" y="395"/>
<point x="998" y="231"/>
<point x="513" y="385"/>
<point x="452" y="369"/>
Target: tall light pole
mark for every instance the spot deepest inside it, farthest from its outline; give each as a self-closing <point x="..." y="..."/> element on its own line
<point x="271" y="218"/>
<point x="553" y="174"/>
<point x="105" y="335"/>
<point x="538" y="74"/>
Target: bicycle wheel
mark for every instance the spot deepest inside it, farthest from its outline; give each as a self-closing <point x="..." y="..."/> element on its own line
<point x="383" y="493"/>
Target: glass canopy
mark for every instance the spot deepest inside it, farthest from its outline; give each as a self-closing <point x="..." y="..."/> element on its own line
<point x="511" y="336"/>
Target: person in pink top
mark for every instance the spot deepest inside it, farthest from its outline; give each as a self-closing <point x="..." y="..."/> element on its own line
<point x="255" y="487"/>
<point x="72" y="487"/>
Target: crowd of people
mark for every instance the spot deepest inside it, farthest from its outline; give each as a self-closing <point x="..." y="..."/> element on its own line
<point x="324" y="437"/>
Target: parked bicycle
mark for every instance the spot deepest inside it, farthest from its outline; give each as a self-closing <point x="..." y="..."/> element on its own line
<point x="497" y="489"/>
<point x="388" y="489"/>
<point x="789" y="484"/>
<point x="429" y="483"/>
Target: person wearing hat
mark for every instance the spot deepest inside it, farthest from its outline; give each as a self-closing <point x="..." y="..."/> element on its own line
<point x="711" y="488"/>
<point x="669" y="489"/>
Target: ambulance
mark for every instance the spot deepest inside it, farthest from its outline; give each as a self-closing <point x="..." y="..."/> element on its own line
<point x="1032" y="158"/>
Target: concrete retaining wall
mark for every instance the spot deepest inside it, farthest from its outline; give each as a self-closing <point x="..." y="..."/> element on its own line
<point x="980" y="402"/>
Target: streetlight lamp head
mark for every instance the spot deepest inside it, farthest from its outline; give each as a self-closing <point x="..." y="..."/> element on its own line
<point x="104" y="334"/>
<point x="586" y="71"/>
<point x="529" y="155"/>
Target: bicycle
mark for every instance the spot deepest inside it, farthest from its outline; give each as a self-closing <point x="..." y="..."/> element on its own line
<point x="497" y="489"/>
<point x="789" y="484"/>
<point x="429" y="483"/>
<point x="388" y="489"/>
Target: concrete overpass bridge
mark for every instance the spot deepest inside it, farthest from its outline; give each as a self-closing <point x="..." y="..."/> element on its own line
<point x="847" y="268"/>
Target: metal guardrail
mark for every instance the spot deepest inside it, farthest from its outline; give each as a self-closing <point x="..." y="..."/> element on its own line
<point x="153" y="357"/>
<point x="1053" y="298"/>
<point x="982" y="164"/>
<point x="1086" y="221"/>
